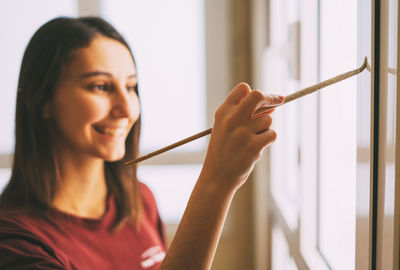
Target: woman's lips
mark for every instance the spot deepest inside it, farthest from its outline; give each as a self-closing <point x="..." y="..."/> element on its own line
<point x="111" y="131"/>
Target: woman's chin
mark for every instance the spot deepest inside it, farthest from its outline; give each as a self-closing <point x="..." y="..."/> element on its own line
<point x="112" y="157"/>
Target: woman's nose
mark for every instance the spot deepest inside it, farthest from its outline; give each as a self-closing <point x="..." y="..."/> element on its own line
<point x="122" y="106"/>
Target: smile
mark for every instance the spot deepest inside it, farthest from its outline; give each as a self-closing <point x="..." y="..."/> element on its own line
<point x="111" y="131"/>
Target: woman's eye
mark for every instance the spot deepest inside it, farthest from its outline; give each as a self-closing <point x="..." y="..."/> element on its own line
<point x="99" y="86"/>
<point x="131" y="88"/>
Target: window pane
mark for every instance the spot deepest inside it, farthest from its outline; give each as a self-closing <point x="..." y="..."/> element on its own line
<point x="281" y="258"/>
<point x="280" y="78"/>
<point x="363" y="137"/>
<point x="18" y="21"/>
<point x="167" y="38"/>
<point x="172" y="186"/>
<point x="337" y="134"/>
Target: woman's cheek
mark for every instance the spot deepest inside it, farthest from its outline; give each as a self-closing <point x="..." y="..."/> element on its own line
<point x="136" y="110"/>
<point x="92" y="110"/>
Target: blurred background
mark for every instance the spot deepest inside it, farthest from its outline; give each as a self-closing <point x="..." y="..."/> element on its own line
<point x="326" y="194"/>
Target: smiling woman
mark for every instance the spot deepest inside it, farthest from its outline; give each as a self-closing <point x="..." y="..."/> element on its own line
<point x="55" y="111"/>
<point x="72" y="130"/>
<point x="70" y="202"/>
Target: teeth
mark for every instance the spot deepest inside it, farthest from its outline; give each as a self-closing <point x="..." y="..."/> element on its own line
<point x="111" y="131"/>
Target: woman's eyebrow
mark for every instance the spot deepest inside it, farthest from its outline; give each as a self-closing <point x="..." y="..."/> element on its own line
<point x="132" y="76"/>
<point x="95" y="73"/>
<point x="103" y="73"/>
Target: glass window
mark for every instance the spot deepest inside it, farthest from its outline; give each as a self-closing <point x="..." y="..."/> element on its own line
<point x="335" y="172"/>
<point x="337" y="135"/>
<point x="281" y="258"/>
<point x="281" y="77"/>
<point x="363" y="167"/>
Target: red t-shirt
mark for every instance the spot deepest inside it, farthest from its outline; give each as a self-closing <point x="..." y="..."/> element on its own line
<point x="62" y="241"/>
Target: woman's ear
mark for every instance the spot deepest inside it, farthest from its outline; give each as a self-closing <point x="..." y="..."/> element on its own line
<point x="46" y="111"/>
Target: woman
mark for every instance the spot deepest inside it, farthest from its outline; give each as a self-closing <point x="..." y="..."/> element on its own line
<point x="70" y="202"/>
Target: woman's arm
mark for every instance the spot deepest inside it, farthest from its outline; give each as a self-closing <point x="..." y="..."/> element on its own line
<point x="237" y="141"/>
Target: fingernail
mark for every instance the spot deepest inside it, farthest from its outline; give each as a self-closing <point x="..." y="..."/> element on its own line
<point x="278" y="99"/>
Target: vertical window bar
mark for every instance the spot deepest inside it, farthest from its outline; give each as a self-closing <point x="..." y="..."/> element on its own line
<point x="375" y="151"/>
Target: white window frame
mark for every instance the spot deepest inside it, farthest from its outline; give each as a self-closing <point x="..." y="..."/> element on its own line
<point x="266" y="211"/>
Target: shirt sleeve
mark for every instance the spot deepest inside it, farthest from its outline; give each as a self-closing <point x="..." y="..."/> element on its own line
<point x="21" y="254"/>
<point x="21" y="249"/>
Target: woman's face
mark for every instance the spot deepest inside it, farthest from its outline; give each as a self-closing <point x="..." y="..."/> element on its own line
<point x="95" y="105"/>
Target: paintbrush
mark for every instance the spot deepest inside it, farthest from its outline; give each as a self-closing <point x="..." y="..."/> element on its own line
<point x="289" y="98"/>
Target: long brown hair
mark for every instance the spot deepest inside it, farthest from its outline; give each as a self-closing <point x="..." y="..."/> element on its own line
<point x="34" y="180"/>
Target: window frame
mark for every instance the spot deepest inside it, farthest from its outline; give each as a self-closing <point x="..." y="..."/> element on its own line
<point x="272" y="216"/>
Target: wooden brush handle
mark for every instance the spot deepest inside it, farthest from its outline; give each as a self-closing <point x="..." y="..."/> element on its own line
<point x="289" y="98"/>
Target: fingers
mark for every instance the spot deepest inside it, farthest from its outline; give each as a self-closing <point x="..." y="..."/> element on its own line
<point x="263" y="111"/>
<point x="262" y="136"/>
<point x="256" y="99"/>
<point x="266" y="138"/>
<point x="260" y="124"/>
<point x="239" y="92"/>
<point x="274" y="99"/>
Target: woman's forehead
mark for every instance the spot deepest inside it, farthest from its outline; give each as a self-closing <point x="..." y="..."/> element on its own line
<point x="103" y="54"/>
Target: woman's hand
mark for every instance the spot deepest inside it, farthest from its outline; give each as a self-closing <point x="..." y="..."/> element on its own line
<point x="239" y="136"/>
